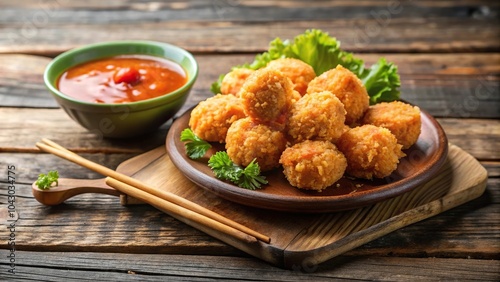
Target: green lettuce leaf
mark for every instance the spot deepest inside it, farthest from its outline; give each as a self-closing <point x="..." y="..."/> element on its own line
<point x="215" y="87"/>
<point x="383" y="81"/>
<point x="314" y="47"/>
<point x="322" y="52"/>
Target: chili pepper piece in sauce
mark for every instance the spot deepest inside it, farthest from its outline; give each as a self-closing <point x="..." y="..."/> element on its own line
<point x="127" y="75"/>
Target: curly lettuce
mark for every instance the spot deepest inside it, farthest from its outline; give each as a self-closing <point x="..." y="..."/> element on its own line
<point x="322" y="52"/>
<point x="382" y="82"/>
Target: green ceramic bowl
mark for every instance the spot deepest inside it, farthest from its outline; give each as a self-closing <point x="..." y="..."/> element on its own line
<point x="128" y="119"/>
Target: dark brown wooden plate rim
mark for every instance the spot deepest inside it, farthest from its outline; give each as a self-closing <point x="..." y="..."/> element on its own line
<point x="433" y="138"/>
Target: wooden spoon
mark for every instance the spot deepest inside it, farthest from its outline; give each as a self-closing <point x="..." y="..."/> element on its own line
<point x="70" y="187"/>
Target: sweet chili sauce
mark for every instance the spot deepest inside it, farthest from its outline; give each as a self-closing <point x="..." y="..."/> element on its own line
<point x="122" y="79"/>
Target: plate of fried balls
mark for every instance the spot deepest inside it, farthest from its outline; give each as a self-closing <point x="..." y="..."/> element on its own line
<point x="319" y="143"/>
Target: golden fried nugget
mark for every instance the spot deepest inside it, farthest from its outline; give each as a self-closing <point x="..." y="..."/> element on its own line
<point x="403" y="120"/>
<point x="267" y="96"/>
<point x="299" y="72"/>
<point x="371" y="151"/>
<point x="232" y="81"/>
<point x="316" y="116"/>
<point x="247" y="140"/>
<point x="211" y="118"/>
<point x="347" y="87"/>
<point x="313" y="165"/>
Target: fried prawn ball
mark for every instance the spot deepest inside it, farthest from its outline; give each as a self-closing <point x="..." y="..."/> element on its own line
<point x="347" y="87"/>
<point x="299" y="72"/>
<point x="247" y="140"/>
<point x="267" y="96"/>
<point x="313" y="165"/>
<point x="371" y="151"/>
<point x="316" y="116"/>
<point x="232" y="81"/>
<point x="403" y="120"/>
<point x="211" y="118"/>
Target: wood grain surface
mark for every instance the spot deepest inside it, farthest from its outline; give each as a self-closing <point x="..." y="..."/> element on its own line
<point x="154" y="267"/>
<point x="223" y="26"/>
<point x="448" y="54"/>
<point x="300" y="240"/>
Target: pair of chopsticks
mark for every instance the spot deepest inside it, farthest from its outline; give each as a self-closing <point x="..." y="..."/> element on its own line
<point x="159" y="198"/>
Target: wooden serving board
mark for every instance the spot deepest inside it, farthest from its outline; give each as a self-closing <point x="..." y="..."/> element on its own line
<point x="304" y="240"/>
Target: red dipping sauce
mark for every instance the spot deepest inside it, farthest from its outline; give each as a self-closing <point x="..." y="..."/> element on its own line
<point x="122" y="79"/>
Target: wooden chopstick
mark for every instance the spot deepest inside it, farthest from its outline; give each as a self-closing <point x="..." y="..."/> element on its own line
<point x="178" y="210"/>
<point x="204" y="213"/>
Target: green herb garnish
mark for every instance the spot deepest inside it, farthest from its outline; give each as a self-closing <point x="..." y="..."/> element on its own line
<point x="225" y="169"/>
<point x="195" y="146"/>
<point x="221" y="164"/>
<point x="215" y="87"/>
<point x="323" y="53"/>
<point x="45" y="181"/>
<point x="383" y="81"/>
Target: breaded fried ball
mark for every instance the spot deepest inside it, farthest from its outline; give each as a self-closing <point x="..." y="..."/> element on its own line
<point x="347" y="87"/>
<point x="232" y="81"/>
<point x="371" y="151"/>
<point x="316" y="116"/>
<point x="247" y="140"/>
<point x="267" y="96"/>
<point x="403" y="120"/>
<point x="313" y="165"/>
<point x="211" y="118"/>
<point x="295" y="96"/>
<point x="299" y="72"/>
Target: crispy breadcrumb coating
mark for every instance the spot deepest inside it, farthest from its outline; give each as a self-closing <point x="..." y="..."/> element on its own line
<point x="232" y="81"/>
<point x="371" y="151"/>
<point x="267" y="96"/>
<point x="313" y="165"/>
<point x="316" y="116"/>
<point x="299" y="72"/>
<point x="211" y="118"/>
<point x="347" y="87"/>
<point x="403" y="120"/>
<point x="247" y="140"/>
<point x="267" y="111"/>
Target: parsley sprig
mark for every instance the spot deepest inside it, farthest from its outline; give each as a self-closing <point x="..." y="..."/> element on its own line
<point x="248" y="177"/>
<point x="195" y="146"/>
<point x="220" y="163"/>
<point x="45" y="181"/>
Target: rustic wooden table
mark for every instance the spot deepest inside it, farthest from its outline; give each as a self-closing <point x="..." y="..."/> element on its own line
<point x="448" y="53"/>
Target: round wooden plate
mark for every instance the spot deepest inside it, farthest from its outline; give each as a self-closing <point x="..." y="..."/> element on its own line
<point x="423" y="160"/>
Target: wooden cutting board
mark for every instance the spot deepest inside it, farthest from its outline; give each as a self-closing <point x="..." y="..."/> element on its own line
<point x="305" y="240"/>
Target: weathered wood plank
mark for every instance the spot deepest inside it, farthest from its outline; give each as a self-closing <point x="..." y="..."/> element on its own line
<point x="31" y="125"/>
<point x="201" y="4"/>
<point x="47" y="27"/>
<point x="467" y="133"/>
<point x="245" y="10"/>
<point x="21" y="81"/>
<point x="446" y="85"/>
<point x="493" y="169"/>
<point x="398" y="35"/>
<point x="75" y="266"/>
<point x="87" y="222"/>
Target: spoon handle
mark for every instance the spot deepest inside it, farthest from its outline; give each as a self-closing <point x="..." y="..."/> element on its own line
<point x="70" y="187"/>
